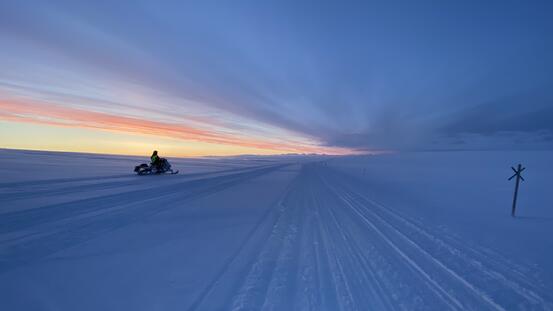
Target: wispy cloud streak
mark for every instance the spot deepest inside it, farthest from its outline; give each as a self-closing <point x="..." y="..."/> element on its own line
<point x="70" y="117"/>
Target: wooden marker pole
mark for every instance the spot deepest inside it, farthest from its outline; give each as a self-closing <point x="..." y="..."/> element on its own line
<point x="517" y="171"/>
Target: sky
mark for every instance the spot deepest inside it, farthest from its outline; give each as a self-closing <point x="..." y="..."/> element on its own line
<point x="193" y="78"/>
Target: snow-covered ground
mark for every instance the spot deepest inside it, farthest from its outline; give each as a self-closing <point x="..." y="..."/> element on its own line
<point x="412" y="231"/>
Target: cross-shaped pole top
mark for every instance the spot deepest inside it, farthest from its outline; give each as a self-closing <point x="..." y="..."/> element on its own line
<point x="519" y="177"/>
<point x="517" y="171"/>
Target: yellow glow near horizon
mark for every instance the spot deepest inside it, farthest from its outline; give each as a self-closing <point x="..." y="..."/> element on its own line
<point x="30" y="125"/>
<point x="17" y="135"/>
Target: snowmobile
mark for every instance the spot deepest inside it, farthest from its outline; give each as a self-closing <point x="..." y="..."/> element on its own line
<point x="150" y="169"/>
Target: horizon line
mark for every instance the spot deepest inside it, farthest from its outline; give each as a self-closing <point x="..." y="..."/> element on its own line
<point x="181" y="156"/>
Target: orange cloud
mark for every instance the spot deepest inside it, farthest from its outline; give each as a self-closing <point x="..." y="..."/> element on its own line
<point x="56" y="115"/>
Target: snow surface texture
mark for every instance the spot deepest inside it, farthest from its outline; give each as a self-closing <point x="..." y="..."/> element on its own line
<point x="415" y="231"/>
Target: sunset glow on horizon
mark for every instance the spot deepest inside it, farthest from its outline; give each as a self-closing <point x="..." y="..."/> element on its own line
<point x="76" y="130"/>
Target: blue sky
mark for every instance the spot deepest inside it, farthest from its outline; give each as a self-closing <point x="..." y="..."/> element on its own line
<point x="322" y="76"/>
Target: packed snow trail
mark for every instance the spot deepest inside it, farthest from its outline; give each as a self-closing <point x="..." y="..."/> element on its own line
<point x="331" y="248"/>
<point x="76" y="221"/>
<point x="277" y="236"/>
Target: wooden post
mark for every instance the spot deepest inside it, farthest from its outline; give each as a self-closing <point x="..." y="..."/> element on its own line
<point x="517" y="171"/>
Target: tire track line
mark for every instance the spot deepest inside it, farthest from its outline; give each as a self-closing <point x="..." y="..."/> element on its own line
<point x="343" y="288"/>
<point x="130" y="180"/>
<point x="450" y="300"/>
<point x="347" y="243"/>
<point x="308" y="276"/>
<point x="491" y="259"/>
<point x="250" y="237"/>
<point x="51" y="214"/>
<point x="276" y="290"/>
<point x="524" y="292"/>
<point x="477" y="292"/>
<point x="360" y="262"/>
<point x="256" y="283"/>
<point x="98" y="222"/>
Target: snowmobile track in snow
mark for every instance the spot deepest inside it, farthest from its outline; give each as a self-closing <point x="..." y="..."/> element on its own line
<point x="318" y="242"/>
<point x="330" y="247"/>
<point x="38" y="232"/>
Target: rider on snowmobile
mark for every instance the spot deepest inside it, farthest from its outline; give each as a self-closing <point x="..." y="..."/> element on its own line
<point x="155" y="159"/>
<point x="157" y="166"/>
